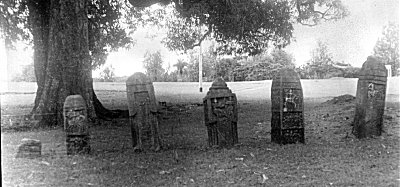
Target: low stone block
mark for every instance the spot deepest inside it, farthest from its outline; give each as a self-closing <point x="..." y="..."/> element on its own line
<point x="29" y="148"/>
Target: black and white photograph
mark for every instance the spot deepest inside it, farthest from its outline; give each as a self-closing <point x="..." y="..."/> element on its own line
<point x="199" y="93"/>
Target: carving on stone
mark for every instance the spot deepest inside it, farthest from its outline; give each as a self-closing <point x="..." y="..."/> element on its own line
<point x="290" y="100"/>
<point x="376" y="91"/>
<point x="370" y="102"/>
<point x="287" y="123"/>
<point x="76" y="125"/>
<point x="142" y="111"/>
<point x="76" y="121"/>
<point x="220" y="110"/>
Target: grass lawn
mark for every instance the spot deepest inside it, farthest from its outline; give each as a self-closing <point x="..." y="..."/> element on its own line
<point x="331" y="156"/>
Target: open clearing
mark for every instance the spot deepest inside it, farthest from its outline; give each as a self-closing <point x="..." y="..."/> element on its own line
<point x="330" y="157"/>
<point x="113" y="95"/>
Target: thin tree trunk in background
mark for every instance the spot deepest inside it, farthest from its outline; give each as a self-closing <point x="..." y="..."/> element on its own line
<point x="7" y="45"/>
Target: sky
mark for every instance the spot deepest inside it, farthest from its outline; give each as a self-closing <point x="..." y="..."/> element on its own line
<point x="350" y="40"/>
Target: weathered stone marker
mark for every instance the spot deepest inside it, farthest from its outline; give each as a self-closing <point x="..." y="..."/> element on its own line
<point x="287" y="121"/>
<point x="29" y="148"/>
<point x="142" y="110"/>
<point x="370" y="99"/>
<point x="220" y="110"/>
<point x="76" y="125"/>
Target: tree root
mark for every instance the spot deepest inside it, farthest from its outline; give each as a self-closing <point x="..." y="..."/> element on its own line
<point x="107" y="114"/>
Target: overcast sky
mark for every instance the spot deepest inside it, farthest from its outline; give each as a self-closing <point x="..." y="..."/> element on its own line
<point x="352" y="39"/>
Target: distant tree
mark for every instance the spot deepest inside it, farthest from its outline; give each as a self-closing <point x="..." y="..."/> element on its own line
<point x="255" y="68"/>
<point x="166" y="75"/>
<point x="336" y="69"/>
<point x="171" y="77"/>
<point x="304" y="71"/>
<point x="351" y="72"/>
<point x="321" y="61"/>
<point x="108" y="75"/>
<point x="27" y="75"/>
<point x="153" y="64"/>
<point x="263" y="66"/>
<point x="260" y="67"/>
<point x="225" y="68"/>
<point x="387" y="48"/>
<point x="279" y="56"/>
<point x="209" y="59"/>
<point x="180" y="65"/>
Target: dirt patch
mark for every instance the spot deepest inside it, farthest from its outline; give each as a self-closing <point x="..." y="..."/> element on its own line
<point x="343" y="99"/>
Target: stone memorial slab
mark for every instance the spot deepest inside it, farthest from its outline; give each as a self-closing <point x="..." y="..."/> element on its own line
<point x="220" y="110"/>
<point x="142" y="106"/>
<point x="370" y="99"/>
<point x="287" y="121"/>
<point x="76" y="125"/>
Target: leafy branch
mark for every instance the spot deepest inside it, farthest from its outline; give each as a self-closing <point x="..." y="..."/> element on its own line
<point x="309" y="16"/>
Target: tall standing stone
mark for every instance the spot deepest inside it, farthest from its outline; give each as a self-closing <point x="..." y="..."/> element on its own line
<point x="287" y="121"/>
<point x="76" y="125"/>
<point x="220" y="110"/>
<point x="142" y="110"/>
<point x="370" y="99"/>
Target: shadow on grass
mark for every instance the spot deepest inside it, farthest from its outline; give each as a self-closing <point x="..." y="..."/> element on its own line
<point x="331" y="155"/>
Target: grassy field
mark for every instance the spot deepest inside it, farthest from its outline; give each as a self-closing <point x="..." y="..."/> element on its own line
<point x="22" y="94"/>
<point x="331" y="156"/>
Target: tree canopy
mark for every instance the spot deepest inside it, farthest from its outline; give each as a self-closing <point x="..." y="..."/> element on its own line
<point x="240" y="26"/>
<point x="107" y="25"/>
<point x="12" y="16"/>
<point x="153" y="64"/>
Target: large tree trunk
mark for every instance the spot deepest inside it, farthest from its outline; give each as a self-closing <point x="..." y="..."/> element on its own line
<point x="61" y="59"/>
<point x="39" y="17"/>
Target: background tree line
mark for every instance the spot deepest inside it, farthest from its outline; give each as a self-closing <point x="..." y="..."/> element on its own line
<point x="263" y="66"/>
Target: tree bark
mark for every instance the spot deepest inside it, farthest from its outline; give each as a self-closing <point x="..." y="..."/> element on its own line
<point x="39" y="17"/>
<point x="62" y="60"/>
<point x="147" y="3"/>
